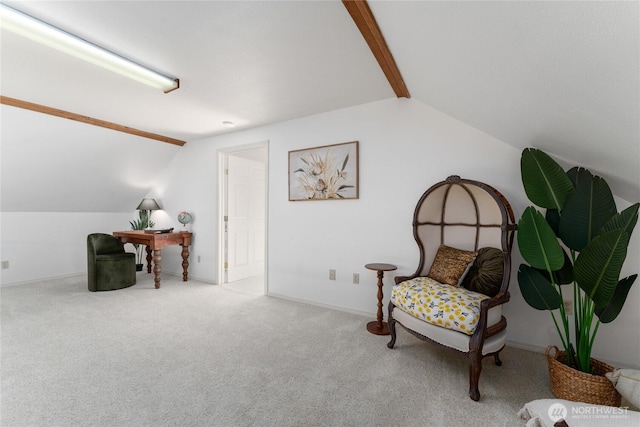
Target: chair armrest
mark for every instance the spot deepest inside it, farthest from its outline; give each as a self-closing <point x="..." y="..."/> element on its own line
<point x="482" y="332"/>
<point x="400" y="279"/>
<point x="494" y="301"/>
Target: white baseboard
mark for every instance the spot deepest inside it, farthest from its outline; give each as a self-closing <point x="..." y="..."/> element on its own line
<point x="43" y="279"/>
<point x="526" y="346"/>
<point x="199" y="279"/>
<point x="317" y="304"/>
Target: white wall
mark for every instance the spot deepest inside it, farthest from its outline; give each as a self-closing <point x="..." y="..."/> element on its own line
<point x="40" y="245"/>
<point x="405" y="147"/>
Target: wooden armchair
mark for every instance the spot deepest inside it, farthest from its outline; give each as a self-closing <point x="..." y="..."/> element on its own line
<point x="464" y="230"/>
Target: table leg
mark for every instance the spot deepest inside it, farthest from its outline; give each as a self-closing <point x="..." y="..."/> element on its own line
<point x="185" y="263"/>
<point x="148" y="259"/>
<point x="157" y="259"/>
<point x="379" y="327"/>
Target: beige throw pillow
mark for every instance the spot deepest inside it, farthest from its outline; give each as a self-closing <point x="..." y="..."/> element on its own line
<point x="627" y="382"/>
<point x="450" y="264"/>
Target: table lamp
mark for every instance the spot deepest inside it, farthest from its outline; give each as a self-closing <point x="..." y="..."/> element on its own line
<point x="147" y="205"/>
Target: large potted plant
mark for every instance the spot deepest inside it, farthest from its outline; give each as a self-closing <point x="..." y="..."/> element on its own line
<point x="141" y="223"/>
<point x="575" y="251"/>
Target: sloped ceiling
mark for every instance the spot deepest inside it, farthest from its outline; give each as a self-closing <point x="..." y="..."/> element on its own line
<point x="561" y="76"/>
<point x="56" y="165"/>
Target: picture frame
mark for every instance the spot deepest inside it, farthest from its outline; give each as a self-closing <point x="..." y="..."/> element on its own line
<point x="327" y="172"/>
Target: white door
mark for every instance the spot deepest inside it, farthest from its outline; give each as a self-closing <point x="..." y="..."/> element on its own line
<point x="245" y="218"/>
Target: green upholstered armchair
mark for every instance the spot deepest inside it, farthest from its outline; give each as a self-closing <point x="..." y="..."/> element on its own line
<point x="109" y="266"/>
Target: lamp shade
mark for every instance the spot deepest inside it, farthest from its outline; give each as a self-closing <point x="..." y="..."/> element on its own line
<point x="148" y="204"/>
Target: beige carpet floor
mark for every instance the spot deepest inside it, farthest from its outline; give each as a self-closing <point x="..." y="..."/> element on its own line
<point x="196" y="354"/>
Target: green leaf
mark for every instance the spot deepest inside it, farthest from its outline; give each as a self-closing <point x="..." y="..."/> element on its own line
<point x="625" y="220"/>
<point x="537" y="242"/>
<point x="573" y="174"/>
<point x="346" y="160"/>
<point x="598" y="266"/>
<point x="141" y="222"/>
<point x="545" y="182"/>
<point x="553" y="218"/>
<point x="609" y="312"/>
<point x="137" y="224"/>
<point x="536" y="290"/>
<point x="564" y="276"/>
<point x="586" y="210"/>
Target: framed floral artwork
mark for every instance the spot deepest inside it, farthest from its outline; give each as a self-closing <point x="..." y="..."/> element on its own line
<point x="329" y="172"/>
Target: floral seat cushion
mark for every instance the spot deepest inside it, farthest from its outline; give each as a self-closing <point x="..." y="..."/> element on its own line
<point x="447" y="306"/>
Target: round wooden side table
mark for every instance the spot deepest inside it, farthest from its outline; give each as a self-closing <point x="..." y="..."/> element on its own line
<point x="379" y="327"/>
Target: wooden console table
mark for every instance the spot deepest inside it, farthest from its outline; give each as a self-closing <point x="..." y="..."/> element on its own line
<point x="154" y="243"/>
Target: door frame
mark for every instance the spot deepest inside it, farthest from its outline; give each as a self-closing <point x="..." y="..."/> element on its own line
<point x="223" y="189"/>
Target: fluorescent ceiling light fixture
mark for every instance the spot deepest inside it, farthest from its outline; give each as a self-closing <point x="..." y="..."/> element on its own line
<point x="41" y="32"/>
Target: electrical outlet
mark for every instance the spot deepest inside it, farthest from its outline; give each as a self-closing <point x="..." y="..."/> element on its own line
<point x="5" y="265"/>
<point x="332" y="275"/>
<point x="198" y="258"/>
<point x="568" y="307"/>
<point x="356" y="278"/>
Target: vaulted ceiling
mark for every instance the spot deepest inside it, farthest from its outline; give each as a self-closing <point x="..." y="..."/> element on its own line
<point x="561" y="76"/>
<point x="251" y="63"/>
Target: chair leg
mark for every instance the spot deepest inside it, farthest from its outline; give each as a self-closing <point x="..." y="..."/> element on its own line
<point x="392" y="326"/>
<point x="475" y="367"/>
<point x="496" y="359"/>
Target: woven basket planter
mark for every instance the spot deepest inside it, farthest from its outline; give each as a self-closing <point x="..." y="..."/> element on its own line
<point x="570" y="384"/>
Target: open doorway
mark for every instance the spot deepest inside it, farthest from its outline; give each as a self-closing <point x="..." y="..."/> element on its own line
<point x="242" y="217"/>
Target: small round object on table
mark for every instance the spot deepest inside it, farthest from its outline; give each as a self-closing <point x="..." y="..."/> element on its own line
<point x="185" y="218"/>
<point x="379" y="327"/>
